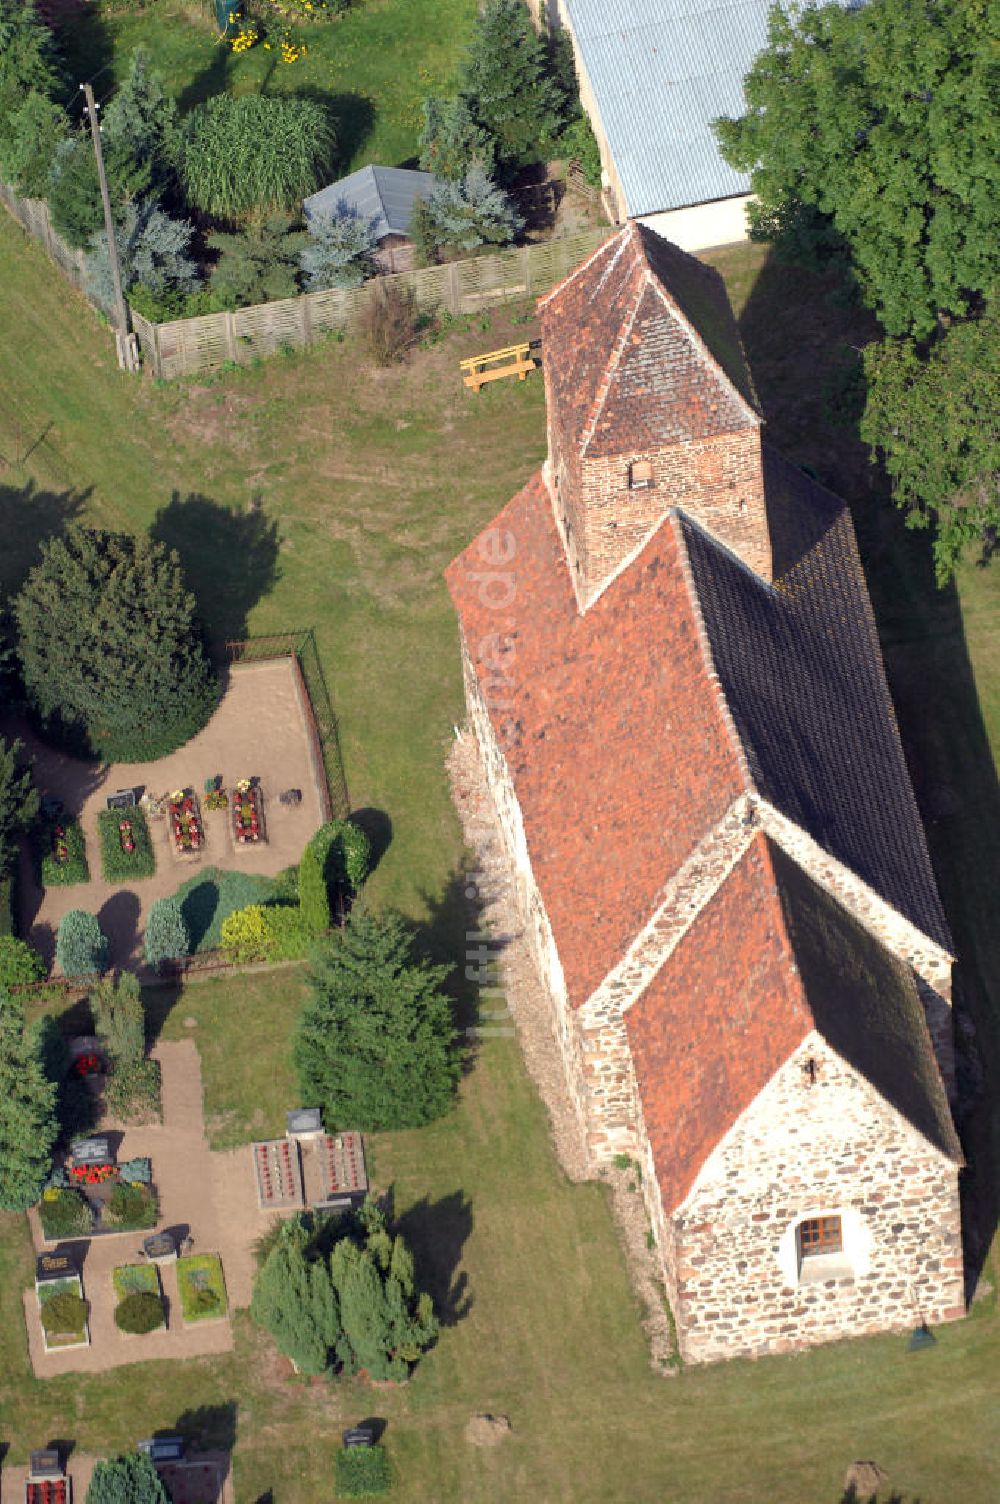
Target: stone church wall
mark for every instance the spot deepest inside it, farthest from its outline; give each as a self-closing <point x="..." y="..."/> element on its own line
<point x="814" y="1145"/>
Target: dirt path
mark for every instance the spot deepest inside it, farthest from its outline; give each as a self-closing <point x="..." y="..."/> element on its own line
<point x="210" y="1196"/>
<point x="260" y="730"/>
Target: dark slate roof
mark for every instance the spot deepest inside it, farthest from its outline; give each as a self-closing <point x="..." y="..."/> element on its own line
<point x="801" y="668"/>
<point x="383" y="194"/>
<point x="642" y="349"/>
<point x="865" y="1004"/>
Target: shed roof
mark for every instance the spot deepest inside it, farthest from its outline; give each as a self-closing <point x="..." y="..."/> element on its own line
<point x="384" y="194"/>
<point x="661" y="71"/>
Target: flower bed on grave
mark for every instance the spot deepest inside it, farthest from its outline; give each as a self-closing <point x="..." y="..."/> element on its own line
<point x="202" y="1287"/>
<point x="126" y="849"/>
<point x="184" y="823"/>
<point x="248" y="813"/>
<point x="137" y="1287"/>
<point x="62" y="1312"/>
<point x="88" y="1200"/>
<point x="62" y="854"/>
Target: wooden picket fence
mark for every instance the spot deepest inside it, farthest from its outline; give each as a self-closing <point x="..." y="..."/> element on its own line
<point x="186" y="347"/>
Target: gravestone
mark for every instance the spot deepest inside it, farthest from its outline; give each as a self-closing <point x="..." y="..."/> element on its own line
<point x="359" y="1436"/>
<point x="304" y="1122"/>
<point x="54" y="1266"/>
<point x="124" y="799"/>
<point x="162" y="1449"/>
<point x="92" y="1151"/>
<point x="160" y="1248"/>
<point x="44" y="1464"/>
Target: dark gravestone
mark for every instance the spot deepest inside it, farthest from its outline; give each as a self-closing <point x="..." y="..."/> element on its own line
<point x="124" y="799"/>
<point x="44" y="1464"/>
<point x="91" y="1151"/>
<point x="159" y="1246"/>
<point x="359" y="1436"/>
<point x="54" y="1266"/>
<point x="162" y="1449"/>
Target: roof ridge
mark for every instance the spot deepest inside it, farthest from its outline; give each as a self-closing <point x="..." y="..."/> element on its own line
<point x="702" y="346"/>
<point x="604" y="385"/>
<point x="582" y="266"/>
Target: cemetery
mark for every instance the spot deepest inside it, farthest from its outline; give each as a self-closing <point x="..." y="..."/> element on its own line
<point x="310" y="1167"/>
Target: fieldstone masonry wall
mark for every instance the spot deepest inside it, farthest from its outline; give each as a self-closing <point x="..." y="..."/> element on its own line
<point x="811" y="1147"/>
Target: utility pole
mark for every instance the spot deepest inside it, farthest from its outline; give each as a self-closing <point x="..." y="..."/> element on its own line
<point x="128" y="356"/>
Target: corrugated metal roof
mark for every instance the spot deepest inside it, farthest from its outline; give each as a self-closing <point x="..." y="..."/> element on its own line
<point x="384" y="194"/>
<point x="661" y="72"/>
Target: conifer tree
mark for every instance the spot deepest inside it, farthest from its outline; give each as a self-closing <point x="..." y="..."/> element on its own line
<point x="18" y="801"/>
<point x="340" y="251"/>
<point x="452" y="139"/>
<point x="131" y="1479"/>
<point x="294" y="1299"/>
<point x="28" y="1126"/>
<point x="111" y="654"/>
<point x="376" y="1045"/>
<point x="472" y="212"/>
<point x="508" y="82"/>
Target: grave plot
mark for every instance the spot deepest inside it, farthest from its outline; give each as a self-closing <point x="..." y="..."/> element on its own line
<point x="279" y="1175"/>
<point x="47" y="1482"/>
<point x="62" y="1309"/>
<point x="185" y="827"/>
<point x="335" y="1173"/>
<point x="246" y="804"/>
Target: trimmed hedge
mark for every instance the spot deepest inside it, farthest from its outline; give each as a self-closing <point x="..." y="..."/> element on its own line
<point x="81" y="944"/>
<point x="75" y="868"/>
<point x="361" y="1472"/>
<point x="118" y="865"/>
<point x="265" y="932"/>
<point x="208" y="898"/>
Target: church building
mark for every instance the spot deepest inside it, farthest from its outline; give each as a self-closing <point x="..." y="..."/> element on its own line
<point x="673" y="674"/>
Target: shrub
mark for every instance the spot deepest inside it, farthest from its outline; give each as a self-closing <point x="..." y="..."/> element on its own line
<point x="141" y="686"/>
<point x="119" y="1017"/>
<point x="340" y="251"/>
<point x="19" y="963"/>
<point x="275" y="932"/>
<point x="64" y="1314"/>
<point x="66" y="837"/>
<point x="130" y="1206"/>
<point x="138" y="1313"/>
<point x="154" y="251"/>
<point x="126" y="1480"/>
<point x="209" y="897"/>
<point x="132" y="1279"/>
<point x="64" y="1213"/>
<point x="117" y="864"/>
<point x="81" y="946"/>
<point x="251" y="154"/>
<point x="136" y="1171"/>
<point x="257" y="265"/>
<point x="166" y="937"/>
<point x="28" y="1125"/>
<point x="388" y="321"/>
<point x="361" y="1472"/>
<point x="472" y="212"/>
<point x="580" y="145"/>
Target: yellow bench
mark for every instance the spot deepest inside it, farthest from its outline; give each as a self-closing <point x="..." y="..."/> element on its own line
<point x="512" y="360"/>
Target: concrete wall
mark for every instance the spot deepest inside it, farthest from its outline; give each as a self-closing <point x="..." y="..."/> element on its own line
<point x="815" y="1145"/>
<point x="722" y="222"/>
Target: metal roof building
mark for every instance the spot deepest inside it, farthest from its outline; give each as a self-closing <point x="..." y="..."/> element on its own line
<point x="383" y="194"/>
<point x="654" y="74"/>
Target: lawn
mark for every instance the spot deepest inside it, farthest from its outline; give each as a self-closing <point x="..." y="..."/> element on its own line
<point x="372" y="481"/>
<point x="372" y="67"/>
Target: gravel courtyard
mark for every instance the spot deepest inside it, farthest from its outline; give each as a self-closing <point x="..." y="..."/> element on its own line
<point x="260" y="729"/>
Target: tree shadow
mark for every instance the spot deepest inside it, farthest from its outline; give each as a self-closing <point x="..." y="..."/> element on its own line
<point x="208" y="81"/>
<point x="119" y="920"/>
<point x="352" y="118"/>
<point x="454" y="935"/>
<point x="377" y="826"/>
<point x="85" y="42"/>
<point x="812" y="392"/>
<point x="436" y="1232"/>
<point x="229" y="559"/>
<point x="28" y="518"/>
<point x="209" y="1428"/>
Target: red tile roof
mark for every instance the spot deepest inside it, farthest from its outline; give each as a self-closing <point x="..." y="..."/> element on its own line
<point x="609" y="722"/>
<point x="770" y="958"/>
<point x="642" y="350"/>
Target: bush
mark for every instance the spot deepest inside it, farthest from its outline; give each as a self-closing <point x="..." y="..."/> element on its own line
<point x="275" y="932"/>
<point x="136" y="1171"/>
<point x="166" y="936"/>
<point x="126" y="1480"/>
<point x="66" y="837"/>
<point x="472" y="212"/>
<point x="81" y="946"/>
<point x="340" y="251"/>
<point x="252" y="154"/>
<point x="117" y="864"/>
<point x="64" y="1213"/>
<point x="140" y="687"/>
<point x="134" y="1088"/>
<point x="580" y="145"/>
<point x="130" y="1207"/>
<point x="388" y="321"/>
<point x="258" y="265"/>
<point x="139" y="1313"/>
<point x="19" y="963"/>
<point x="361" y="1472"/>
<point x="209" y="897"/>
<point x="65" y="1314"/>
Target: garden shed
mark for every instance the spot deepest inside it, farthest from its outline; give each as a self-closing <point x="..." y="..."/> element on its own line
<point x="385" y="195"/>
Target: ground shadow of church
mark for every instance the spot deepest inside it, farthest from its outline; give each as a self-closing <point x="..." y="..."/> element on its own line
<point x="803" y="338"/>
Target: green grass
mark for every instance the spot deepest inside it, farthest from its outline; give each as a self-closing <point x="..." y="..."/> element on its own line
<point x="73" y="868"/>
<point x="372" y="67"/>
<point x="117" y="864"/>
<point x="209" y="897"/>
<point x="135" y="1279"/>
<point x="372" y="482"/>
<point x="198" y="1274"/>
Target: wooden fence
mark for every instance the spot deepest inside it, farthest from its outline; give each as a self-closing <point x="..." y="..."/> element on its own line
<point x="188" y="346"/>
<point x="33" y="215"/>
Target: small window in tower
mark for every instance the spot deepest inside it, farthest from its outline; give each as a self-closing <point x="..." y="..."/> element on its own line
<point x="640" y="475"/>
<point x="818" y="1235"/>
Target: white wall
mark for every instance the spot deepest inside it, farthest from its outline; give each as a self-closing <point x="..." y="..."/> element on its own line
<point x="702" y="225"/>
